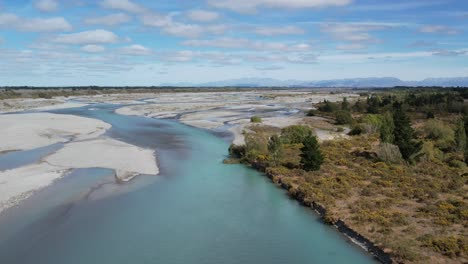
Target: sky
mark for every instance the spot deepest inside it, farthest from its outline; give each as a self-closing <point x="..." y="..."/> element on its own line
<point x="134" y="42"/>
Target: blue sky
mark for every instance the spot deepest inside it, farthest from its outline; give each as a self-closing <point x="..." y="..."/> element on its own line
<point x="133" y="42"/>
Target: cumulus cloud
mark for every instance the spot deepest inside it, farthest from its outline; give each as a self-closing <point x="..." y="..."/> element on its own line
<point x="250" y="6"/>
<point x="352" y="32"/>
<point x="202" y="15"/>
<point x="93" y="48"/>
<point x="171" y="27"/>
<point x="136" y="50"/>
<point x="449" y="53"/>
<point x="12" y="21"/>
<point x="241" y="43"/>
<point x="109" y="20"/>
<point x="123" y="5"/>
<point x="438" y="29"/>
<point x="275" y="31"/>
<point x="98" y="36"/>
<point x="46" y="5"/>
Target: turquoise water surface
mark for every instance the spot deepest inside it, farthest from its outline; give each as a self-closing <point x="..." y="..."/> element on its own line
<point x="198" y="210"/>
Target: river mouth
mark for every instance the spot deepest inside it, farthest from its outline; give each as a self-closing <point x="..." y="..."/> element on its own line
<point x="198" y="210"/>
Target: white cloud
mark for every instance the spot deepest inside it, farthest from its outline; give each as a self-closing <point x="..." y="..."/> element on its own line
<point x="171" y="27"/>
<point x="12" y="21"/>
<point x="156" y="20"/>
<point x="136" y="50"/>
<point x="449" y="53"/>
<point x="98" y="36"/>
<point x="109" y="20"/>
<point x="93" y="48"/>
<point x="395" y="6"/>
<point x="439" y="30"/>
<point x="241" y="43"/>
<point x="383" y="55"/>
<point x="250" y="6"/>
<point x="46" y="5"/>
<point x="274" y="31"/>
<point x="352" y="32"/>
<point x="7" y="19"/>
<point x="269" y="68"/>
<point x="123" y="5"/>
<point x="202" y="15"/>
<point x="44" y="25"/>
<point x="352" y="46"/>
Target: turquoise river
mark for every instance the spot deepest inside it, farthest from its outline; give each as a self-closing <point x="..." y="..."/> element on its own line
<point x="198" y="210"/>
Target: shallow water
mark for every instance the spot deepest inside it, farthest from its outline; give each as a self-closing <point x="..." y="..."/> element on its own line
<point x="198" y="210"/>
<point x="15" y="159"/>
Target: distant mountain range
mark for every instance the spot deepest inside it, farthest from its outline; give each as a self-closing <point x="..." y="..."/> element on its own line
<point x="337" y="83"/>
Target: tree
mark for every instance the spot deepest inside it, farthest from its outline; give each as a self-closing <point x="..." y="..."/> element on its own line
<point x="404" y="133"/>
<point x="460" y="136"/>
<point x="311" y="156"/>
<point x="373" y="104"/>
<point x="387" y="128"/>
<point x="275" y="148"/>
<point x="345" y="104"/>
<point x="359" y="106"/>
<point x="343" y="117"/>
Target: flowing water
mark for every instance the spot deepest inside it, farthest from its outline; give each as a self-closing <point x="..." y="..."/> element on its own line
<point x="198" y="210"/>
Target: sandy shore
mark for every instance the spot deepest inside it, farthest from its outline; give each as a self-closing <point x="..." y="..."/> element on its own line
<point x="38" y="104"/>
<point x="20" y="183"/>
<point x="85" y="147"/>
<point x="127" y="160"/>
<point x="214" y="110"/>
<point x="29" y="131"/>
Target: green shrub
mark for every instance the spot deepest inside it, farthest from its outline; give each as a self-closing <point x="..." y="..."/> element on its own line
<point x="343" y="117"/>
<point x="236" y="151"/>
<point x="328" y="107"/>
<point x="372" y="123"/>
<point x="389" y="153"/>
<point x="312" y="112"/>
<point x="256" y="119"/>
<point x="441" y="133"/>
<point x="295" y="134"/>
<point x="356" y="130"/>
<point x="450" y="246"/>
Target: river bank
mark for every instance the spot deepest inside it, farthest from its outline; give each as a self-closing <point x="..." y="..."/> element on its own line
<point x="340" y="225"/>
<point x="83" y="145"/>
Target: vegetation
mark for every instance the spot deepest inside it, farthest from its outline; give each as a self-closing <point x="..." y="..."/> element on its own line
<point x="311" y="157"/>
<point x="399" y="179"/>
<point x="403" y="133"/>
<point x="256" y="119"/>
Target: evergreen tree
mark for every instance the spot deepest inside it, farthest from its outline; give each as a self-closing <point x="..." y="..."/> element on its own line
<point x="404" y="133"/>
<point x="345" y="104"/>
<point x="373" y="104"/>
<point x="275" y="149"/>
<point x="359" y="106"/>
<point x="386" y="128"/>
<point x="311" y="156"/>
<point x="460" y="136"/>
